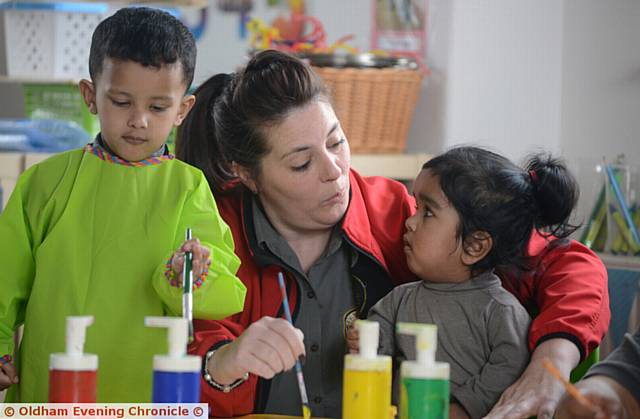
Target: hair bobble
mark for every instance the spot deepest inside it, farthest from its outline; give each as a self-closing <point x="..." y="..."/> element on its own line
<point x="534" y="177"/>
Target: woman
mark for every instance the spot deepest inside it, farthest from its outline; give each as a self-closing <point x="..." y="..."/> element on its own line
<point x="278" y="163"/>
<point x="612" y="386"/>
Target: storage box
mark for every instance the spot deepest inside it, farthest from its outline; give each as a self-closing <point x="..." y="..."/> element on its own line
<point x="49" y="41"/>
<point x="58" y="101"/>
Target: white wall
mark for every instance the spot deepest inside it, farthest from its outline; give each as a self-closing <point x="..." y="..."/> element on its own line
<point x="600" y="87"/>
<point x="504" y="74"/>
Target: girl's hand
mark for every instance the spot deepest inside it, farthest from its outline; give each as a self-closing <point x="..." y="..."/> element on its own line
<point x="8" y="375"/>
<point x="200" y="262"/>
<point x="457" y="412"/>
<point x="353" y="339"/>
<point x="268" y="347"/>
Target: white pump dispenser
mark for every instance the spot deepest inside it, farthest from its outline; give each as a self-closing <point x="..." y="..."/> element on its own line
<point x="366" y="393"/>
<point x="425" y="365"/>
<point x="369" y="335"/>
<point x="177" y="359"/>
<point x="74" y="358"/>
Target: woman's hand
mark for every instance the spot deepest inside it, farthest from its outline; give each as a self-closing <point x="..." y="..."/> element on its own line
<point x="8" y="375"/>
<point x="268" y="347"/>
<point x="200" y="259"/>
<point x="537" y="392"/>
<point x="608" y="397"/>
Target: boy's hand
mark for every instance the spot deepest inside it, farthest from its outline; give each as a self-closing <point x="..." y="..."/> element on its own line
<point x="8" y="375"/>
<point x="200" y="258"/>
<point x="352" y="339"/>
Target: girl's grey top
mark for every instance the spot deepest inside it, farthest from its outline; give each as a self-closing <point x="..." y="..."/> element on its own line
<point x="482" y="334"/>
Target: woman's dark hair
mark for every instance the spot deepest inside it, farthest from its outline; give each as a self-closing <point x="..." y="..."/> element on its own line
<point x="493" y="195"/>
<point x="232" y="112"/>
<point x="150" y="37"/>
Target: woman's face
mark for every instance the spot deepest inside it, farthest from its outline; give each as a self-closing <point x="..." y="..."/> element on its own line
<point x="303" y="182"/>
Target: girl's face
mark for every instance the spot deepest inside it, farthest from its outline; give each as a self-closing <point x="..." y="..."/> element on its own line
<point x="303" y="183"/>
<point x="431" y="244"/>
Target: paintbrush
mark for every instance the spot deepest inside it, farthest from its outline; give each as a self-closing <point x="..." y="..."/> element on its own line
<point x="571" y="389"/>
<point x="187" y="285"/>
<point x="306" y="410"/>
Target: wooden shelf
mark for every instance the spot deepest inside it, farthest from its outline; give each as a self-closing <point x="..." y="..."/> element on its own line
<point x="404" y="167"/>
<point x="631" y="263"/>
<point x="396" y="166"/>
<point x="11" y="164"/>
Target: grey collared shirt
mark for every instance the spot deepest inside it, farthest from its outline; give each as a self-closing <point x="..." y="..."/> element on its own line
<point x="326" y="299"/>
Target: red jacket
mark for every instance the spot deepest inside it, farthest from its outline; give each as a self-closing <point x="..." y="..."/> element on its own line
<point x="572" y="294"/>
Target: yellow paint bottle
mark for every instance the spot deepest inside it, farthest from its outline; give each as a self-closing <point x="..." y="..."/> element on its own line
<point x="367" y="378"/>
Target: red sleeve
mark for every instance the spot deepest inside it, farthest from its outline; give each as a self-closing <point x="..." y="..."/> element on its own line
<point x="263" y="299"/>
<point x="210" y="334"/>
<point x="568" y="286"/>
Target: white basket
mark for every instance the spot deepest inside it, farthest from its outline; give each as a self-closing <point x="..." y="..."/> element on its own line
<point x="49" y="44"/>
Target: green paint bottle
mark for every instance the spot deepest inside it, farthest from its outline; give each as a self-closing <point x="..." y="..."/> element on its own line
<point x="424" y="383"/>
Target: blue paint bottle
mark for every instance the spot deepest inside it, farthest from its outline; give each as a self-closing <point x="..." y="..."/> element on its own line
<point x="176" y="376"/>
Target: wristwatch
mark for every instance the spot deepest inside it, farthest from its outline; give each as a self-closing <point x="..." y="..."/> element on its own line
<point x="225" y="388"/>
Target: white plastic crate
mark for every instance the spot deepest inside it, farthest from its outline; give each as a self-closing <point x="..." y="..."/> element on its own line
<point x="49" y="40"/>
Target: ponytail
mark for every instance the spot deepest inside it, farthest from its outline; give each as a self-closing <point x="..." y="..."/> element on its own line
<point x="229" y="119"/>
<point x="556" y="194"/>
<point x="492" y="194"/>
<point x="197" y="142"/>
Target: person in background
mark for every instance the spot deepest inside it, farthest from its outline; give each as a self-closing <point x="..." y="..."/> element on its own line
<point x="278" y="163"/>
<point x="475" y="214"/>
<point x="612" y="386"/>
<point x="94" y="231"/>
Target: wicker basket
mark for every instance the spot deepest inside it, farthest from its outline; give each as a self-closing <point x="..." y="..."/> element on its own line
<point x="375" y="105"/>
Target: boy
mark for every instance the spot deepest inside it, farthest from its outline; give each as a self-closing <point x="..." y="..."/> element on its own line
<point x="92" y="231"/>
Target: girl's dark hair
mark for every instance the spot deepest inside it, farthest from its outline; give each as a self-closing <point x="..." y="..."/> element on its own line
<point x="232" y="112"/>
<point x="492" y="194"/>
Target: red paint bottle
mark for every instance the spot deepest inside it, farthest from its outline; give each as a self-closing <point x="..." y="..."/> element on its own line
<point x="72" y="374"/>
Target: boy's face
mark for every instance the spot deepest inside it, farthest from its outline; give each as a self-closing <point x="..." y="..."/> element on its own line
<point x="137" y="106"/>
<point x="431" y="243"/>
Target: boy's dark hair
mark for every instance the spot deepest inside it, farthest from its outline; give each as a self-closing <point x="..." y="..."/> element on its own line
<point x="232" y="112"/>
<point x="492" y="194"/>
<point x="150" y="37"/>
